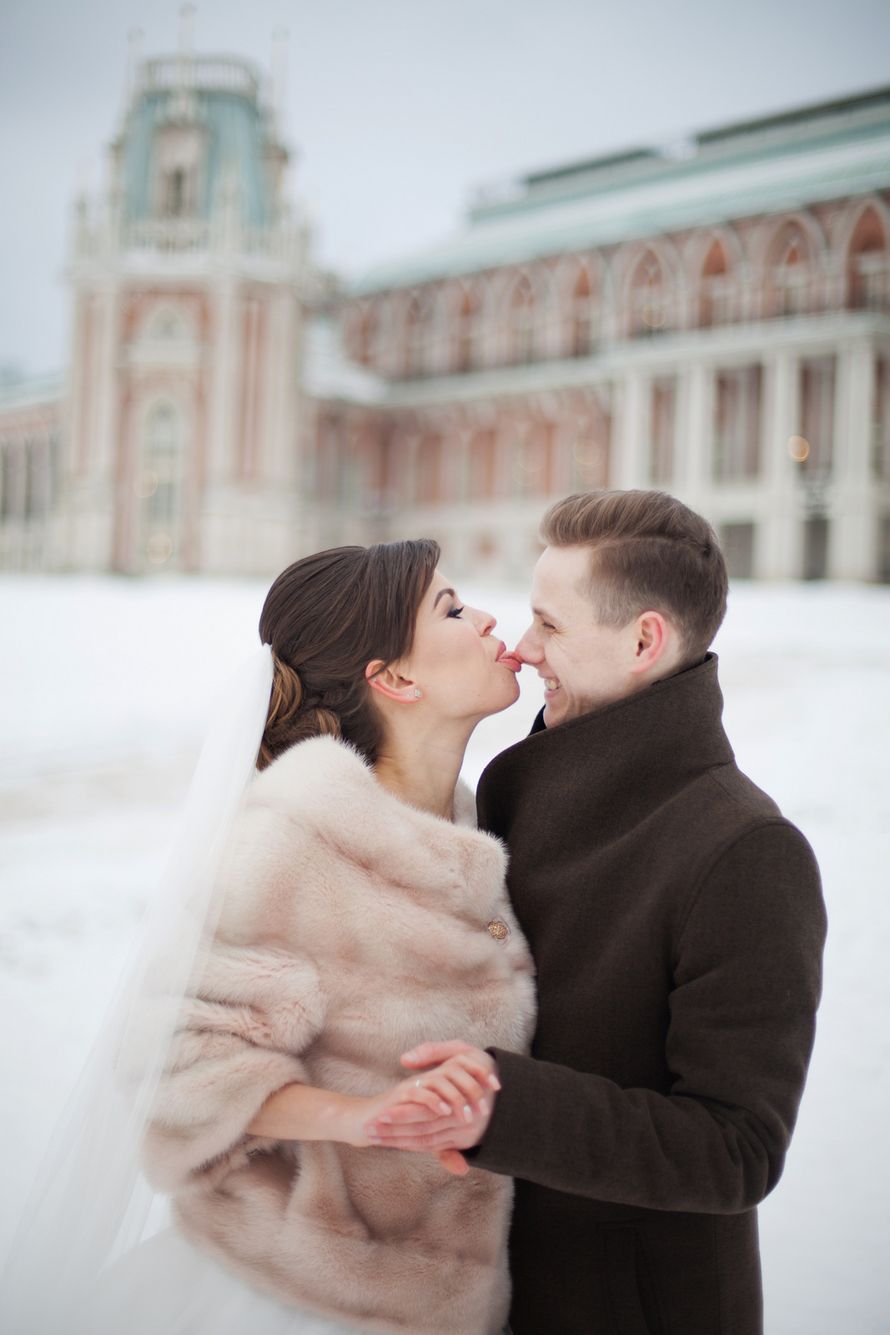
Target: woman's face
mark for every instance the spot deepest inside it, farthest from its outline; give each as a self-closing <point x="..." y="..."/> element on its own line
<point x="461" y="669"/>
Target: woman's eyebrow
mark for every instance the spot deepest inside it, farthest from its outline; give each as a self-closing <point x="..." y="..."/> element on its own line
<point x="441" y="594"/>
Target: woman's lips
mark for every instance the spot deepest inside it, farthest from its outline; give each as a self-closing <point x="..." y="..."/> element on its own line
<point x="509" y="660"/>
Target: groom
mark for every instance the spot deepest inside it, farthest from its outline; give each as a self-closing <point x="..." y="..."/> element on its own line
<point x="677" y="925"/>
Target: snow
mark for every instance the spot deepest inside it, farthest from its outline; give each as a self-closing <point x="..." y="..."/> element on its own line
<point x="105" y="687"/>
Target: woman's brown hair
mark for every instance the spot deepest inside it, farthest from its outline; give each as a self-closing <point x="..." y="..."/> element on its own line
<point x="326" y="617"/>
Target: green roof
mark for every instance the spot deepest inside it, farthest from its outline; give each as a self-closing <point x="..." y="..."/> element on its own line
<point x="768" y="166"/>
<point x="236" y="133"/>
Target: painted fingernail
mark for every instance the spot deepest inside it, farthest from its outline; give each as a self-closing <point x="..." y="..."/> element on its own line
<point x="494" y="1082"/>
<point x="444" y="1108"/>
<point x="410" y="1056"/>
<point x="468" y="1113"/>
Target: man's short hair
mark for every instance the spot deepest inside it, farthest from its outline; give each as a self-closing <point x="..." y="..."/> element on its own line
<point x="648" y="551"/>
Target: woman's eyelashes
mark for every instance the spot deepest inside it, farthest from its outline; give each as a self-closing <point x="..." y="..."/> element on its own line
<point x="455" y="611"/>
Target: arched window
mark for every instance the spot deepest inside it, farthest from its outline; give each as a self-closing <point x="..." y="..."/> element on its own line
<point x="581" y="321"/>
<point x="789" y="273"/>
<point x="868" y="265"/>
<point x="166" y="325"/>
<point x="714" y="296"/>
<point x="178" y="152"/>
<point x="483" y="466"/>
<point x="521" y="322"/>
<point x="468" y="330"/>
<point x="158" y="484"/>
<point x="366" y="331"/>
<point x="429" y="460"/>
<point x="416" y="335"/>
<point x="648" y="298"/>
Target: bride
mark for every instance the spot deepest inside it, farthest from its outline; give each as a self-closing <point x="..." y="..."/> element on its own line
<point x="347" y="910"/>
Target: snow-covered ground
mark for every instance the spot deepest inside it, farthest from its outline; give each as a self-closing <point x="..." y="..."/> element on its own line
<point x="105" y="687"/>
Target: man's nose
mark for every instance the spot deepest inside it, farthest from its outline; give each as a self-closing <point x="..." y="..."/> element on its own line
<point x="529" y="647"/>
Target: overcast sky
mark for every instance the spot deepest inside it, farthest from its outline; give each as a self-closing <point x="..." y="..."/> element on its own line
<point x="399" y="108"/>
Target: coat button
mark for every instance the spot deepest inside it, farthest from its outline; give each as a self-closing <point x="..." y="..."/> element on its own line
<point x="498" y="929"/>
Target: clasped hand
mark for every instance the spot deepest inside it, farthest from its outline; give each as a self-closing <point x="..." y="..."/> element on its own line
<point x="442" y="1111"/>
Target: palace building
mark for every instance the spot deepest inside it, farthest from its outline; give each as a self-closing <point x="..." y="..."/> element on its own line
<point x="174" y="440"/>
<point x="710" y="317"/>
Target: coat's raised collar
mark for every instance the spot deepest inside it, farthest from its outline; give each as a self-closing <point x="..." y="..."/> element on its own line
<point x="610" y="765"/>
<point x="329" y="790"/>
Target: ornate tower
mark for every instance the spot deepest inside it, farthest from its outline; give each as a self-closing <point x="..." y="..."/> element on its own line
<point x="183" y="400"/>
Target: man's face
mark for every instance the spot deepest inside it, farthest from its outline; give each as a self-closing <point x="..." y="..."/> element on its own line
<point x="584" y="665"/>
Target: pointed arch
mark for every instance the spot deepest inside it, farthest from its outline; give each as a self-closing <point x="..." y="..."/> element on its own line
<point x="714" y="286"/>
<point x="158" y="484"/>
<point x="790" y="266"/>
<point x="166" y="321"/>
<point x="714" y="264"/>
<point x="521" y="313"/>
<point x="868" y="261"/>
<point x="647" y="293"/>
<point x="466" y="317"/>
<point x="416" y="332"/>
<point x="365" y="332"/>
<point x="579" y="283"/>
<point x="645" y="283"/>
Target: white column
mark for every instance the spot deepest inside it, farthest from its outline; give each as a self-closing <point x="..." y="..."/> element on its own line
<point x="75" y="386"/>
<point x="629" y="455"/>
<point x="106" y="386"/>
<point x="103" y="496"/>
<point x="853" y="537"/>
<point x="779" y="546"/>
<point x="222" y="416"/>
<point x="280" y="360"/>
<point x="692" y="454"/>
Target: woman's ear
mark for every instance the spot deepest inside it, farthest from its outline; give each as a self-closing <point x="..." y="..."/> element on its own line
<point x="386" y="679"/>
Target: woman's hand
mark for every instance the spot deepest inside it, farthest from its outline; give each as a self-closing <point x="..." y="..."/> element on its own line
<point x="466" y="1084"/>
<point x="355" y="1115"/>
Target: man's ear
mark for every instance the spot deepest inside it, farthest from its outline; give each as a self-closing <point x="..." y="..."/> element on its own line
<point x="385" y="678"/>
<point x="655" y="638"/>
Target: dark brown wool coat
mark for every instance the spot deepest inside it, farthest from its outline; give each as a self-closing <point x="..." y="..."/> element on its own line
<point x="677" y="925"/>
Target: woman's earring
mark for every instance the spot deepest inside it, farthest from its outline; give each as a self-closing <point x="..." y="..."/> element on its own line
<point x="417" y="692"/>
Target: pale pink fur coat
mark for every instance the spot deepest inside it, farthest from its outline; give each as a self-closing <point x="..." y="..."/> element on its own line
<point x="353" y="928"/>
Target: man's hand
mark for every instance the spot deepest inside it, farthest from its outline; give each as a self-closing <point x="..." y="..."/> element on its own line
<point x="450" y="1067"/>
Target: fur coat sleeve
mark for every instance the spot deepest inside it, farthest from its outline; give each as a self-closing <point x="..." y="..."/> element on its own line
<point x="238" y="1041"/>
<point x="240" y="1035"/>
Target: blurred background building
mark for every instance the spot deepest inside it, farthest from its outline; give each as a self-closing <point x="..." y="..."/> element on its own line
<point x="712" y="318"/>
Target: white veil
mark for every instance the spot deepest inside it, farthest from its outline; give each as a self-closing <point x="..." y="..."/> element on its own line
<point x="91" y="1204"/>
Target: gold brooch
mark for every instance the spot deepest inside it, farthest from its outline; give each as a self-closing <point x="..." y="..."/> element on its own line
<point x="499" y="930"/>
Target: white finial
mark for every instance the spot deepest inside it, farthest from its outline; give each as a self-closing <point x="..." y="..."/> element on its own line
<point x="134" y="59"/>
<point x="280" y="38"/>
<point x="186" y="28"/>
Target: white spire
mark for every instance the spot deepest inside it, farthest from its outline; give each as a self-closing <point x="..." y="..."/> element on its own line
<point x="134" y="59"/>
<point x="280" y="39"/>
<point x="186" y="29"/>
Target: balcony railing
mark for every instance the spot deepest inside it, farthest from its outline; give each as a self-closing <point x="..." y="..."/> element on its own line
<point x="208" y="73"/>
<point x="168" y="235"/>
<point x="188" y="237"/>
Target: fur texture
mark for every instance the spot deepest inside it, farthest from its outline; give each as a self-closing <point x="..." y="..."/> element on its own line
<point x="353" y="928"/>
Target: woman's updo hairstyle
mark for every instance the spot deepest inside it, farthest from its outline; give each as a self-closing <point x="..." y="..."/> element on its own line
<point x="326" y="617"/>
